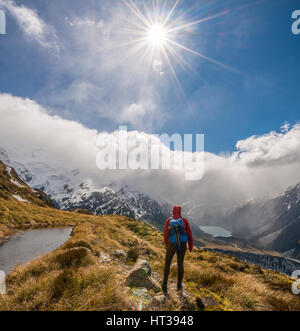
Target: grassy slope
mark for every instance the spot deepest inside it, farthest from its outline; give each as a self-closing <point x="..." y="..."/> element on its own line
<point x="69" y="279"/>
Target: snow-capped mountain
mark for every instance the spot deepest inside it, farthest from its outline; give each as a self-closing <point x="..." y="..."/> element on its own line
<point x="113" y="200"/>
<point x="70" y="190"/>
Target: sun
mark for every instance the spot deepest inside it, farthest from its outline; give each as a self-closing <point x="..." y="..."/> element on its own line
<point x="157" y="35"/>
<point x="161" y="33"/>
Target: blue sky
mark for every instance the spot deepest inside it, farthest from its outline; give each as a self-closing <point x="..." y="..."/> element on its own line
<point x="75" y="67"/>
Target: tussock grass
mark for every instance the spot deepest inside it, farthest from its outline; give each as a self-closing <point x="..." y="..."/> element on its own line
<point x="74" y="257"/>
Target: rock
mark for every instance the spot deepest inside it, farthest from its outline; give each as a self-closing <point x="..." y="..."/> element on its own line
<point x="158" y="301"/>
<point x="145" y="266"/>
<point x="120" y="255"/>
<point x="154" y="285"/>
<point x="140" y="275"/>
<point x="156" y="276"/>
<point x="104" y="257"/>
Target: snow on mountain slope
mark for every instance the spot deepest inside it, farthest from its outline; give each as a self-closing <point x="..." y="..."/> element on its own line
<point x="70" y="190"/>
<point x="12" y="187"/>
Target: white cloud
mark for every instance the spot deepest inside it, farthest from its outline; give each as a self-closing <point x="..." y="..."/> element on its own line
<point x="134" y="113"/>
<point x="141" y="114"/>
<point x="263" y="166"/>
<point x="271" y="149"/>
<point x="31" y="24"/>
<point x="26" y="125"/>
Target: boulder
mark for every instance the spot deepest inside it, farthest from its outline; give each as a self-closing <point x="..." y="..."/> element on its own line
<point x="140" y="276"/>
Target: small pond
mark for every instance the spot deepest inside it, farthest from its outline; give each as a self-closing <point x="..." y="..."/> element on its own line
<point x="216" y="231"/>
<point x="31" y="245"/>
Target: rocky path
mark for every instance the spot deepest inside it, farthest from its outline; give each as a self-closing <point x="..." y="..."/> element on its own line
<point x="144" y="286"/>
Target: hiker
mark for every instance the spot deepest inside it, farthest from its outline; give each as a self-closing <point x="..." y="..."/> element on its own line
<point x="177" y="234"/>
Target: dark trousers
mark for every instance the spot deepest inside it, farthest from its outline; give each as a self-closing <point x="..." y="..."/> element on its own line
<point x="171" y="250"/>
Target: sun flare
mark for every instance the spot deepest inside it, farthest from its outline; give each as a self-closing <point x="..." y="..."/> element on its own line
<point x="157" y="35"/>
<point x="162" y="34"/>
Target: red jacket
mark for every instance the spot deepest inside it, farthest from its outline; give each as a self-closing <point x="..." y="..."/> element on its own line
<point x="187" y="229"/>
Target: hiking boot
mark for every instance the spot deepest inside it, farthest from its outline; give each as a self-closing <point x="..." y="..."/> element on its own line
<point x="179" y="288"/>
<point x="164" y="287"/>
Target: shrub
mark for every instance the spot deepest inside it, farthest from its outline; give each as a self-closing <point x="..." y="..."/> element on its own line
<point x="37" y="269"/>
<point x="74" y="257"/>
<point x="215" y="281"/>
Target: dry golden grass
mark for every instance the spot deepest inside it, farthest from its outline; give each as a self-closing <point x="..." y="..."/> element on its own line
<point x="73" y="278"/>
<point x="15" y="216"/>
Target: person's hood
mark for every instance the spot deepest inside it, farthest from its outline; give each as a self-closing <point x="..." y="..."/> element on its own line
<point x="176" y="212"/>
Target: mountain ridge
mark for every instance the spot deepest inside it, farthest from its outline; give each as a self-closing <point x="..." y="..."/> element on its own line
<point x="273" y="224"/>
<point x="12" y="187"/>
